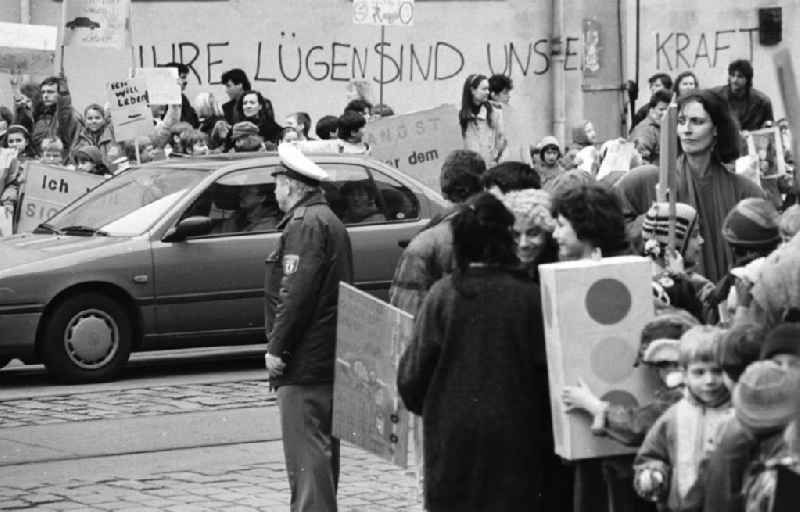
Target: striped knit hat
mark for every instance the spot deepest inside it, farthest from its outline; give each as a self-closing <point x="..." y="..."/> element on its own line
<point x="753" y="222"/>
<point x="765" y="398"/>
<point x="656" y="224"/>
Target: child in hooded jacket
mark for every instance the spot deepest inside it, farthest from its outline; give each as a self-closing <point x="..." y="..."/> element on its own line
<point x="668" y="465"/>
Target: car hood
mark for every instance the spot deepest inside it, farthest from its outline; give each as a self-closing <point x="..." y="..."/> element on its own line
<point x="24" y="250"/>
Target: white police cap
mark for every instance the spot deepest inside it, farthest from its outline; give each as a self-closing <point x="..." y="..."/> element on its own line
<point x="296" y="165"/>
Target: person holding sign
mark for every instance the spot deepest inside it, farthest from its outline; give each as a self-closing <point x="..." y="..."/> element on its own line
<point x="302" y="289"/>
<point x="55" y="115"/>
<point x="474" y="370"/>
<point x="95" y="132"/>
<point x="709" y="138"/>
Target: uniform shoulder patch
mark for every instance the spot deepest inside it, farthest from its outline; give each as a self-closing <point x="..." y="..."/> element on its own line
<point x="290" y="264"/>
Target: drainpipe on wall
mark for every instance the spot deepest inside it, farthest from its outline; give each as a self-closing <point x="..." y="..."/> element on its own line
<point x="25" y="11"/>
<point x="559" y="83"/>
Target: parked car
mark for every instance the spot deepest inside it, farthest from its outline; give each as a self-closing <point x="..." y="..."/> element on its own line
<point x="82" y="22"/>
<point x="155" y="258"/>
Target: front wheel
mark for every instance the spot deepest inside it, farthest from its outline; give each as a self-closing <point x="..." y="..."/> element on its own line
<point x="87" y="338"/>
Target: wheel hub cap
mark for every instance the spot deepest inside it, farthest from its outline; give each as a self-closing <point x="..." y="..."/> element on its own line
<point x="91" y="338"/>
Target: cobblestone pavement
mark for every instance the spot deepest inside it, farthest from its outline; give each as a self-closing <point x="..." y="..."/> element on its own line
<point x="128" y="403"/>
<point x="368" y="484"/>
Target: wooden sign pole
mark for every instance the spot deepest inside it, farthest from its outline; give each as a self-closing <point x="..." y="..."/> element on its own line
<point x="668" y="147"/>
<point x="787" y="84"/>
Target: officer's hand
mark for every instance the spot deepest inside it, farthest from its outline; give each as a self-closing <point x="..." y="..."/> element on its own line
<point x="275" y="365"/>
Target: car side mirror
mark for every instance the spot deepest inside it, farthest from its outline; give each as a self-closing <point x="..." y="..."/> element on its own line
<point x="190" y="226"/>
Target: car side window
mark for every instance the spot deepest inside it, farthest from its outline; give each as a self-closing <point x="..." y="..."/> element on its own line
<point x="352" y="194"/>
<point x="241" y="201"/>
<point x="399" y="202"/>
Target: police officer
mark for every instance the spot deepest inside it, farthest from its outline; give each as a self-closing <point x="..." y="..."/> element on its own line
<point x="302" y="285"/>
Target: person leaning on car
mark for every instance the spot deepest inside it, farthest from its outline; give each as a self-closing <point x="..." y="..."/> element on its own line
<point x="302" y="288"/>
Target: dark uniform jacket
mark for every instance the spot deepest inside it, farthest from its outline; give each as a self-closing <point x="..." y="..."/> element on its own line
<point x="302" y="289"/>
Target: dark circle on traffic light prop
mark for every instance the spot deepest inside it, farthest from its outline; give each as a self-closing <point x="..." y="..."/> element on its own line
<point x="620" y="397"/>
<point x="608" y="301"/>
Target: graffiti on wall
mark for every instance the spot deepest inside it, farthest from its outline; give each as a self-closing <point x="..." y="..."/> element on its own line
<point x="681" y="50"/>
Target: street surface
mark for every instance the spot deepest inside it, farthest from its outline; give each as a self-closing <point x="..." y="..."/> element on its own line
<point x="175" y="433"/>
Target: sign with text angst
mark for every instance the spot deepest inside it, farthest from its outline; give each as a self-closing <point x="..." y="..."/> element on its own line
<point x="416" y="143"/>
<point x="99" y="23"/>
<point x="367" y="409"/>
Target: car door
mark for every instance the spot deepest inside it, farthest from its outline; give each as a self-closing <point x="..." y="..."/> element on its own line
<point x="212" y="285"/>
<point x="381" y="215"/>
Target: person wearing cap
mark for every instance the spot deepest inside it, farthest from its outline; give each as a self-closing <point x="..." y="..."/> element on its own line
<point x="674" y="281"/>
<point x="668" y="466"/>
<point x="533" y="228"/>
<point x="301" y="288"/>
<point x="751" y="231"/>
<point x="765" y="401"/>
<point x="549" y="166"/>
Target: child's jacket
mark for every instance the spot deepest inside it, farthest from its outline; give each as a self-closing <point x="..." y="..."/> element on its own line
<point x="678" y="443"/>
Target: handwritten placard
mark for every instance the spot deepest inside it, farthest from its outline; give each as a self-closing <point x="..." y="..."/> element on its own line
<point x="99" y="23"/>
<point x="130" y="112"/>
<point x="367" y="409"/>
<point x="416" y="143"/>
<point x="162" y="85"/>
<point x="27" y="48"/>
<point x="48" y="189"/>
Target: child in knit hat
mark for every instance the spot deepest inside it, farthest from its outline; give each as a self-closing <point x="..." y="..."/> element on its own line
<point x="782" y="345"/>
<point x="674" y="281"/>
<point x="765" y="401"/>
<point x="668" y="464"/>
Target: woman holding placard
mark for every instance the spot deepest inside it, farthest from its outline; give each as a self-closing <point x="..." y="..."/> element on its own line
<point x="476" y="372"/>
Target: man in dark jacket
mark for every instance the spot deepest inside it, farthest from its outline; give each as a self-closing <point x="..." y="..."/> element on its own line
<point x="236" y="83"/>
<point x="302" y="288"/>
<point x="751" y="107"/>
<point x="54" y="116"/>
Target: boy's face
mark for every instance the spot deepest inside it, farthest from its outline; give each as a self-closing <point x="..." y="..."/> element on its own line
<point x="550" y="156"/>
<point x="704" y="380"/>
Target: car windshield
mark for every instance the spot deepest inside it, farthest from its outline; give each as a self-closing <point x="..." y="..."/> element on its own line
<point x="127" y="204"/>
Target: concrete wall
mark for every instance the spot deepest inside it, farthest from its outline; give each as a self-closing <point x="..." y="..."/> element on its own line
<point x="302" y="53"/>
<point x="677" y="35"/>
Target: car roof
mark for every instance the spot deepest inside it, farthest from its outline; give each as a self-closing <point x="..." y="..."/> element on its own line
<point x="212" y="162"/>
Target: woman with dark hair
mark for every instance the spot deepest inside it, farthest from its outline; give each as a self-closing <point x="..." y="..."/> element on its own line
<point x="481" y="125"/>
<point x="686" y="82"/>
<point x="257" y="109"/>
<point x="476" y="372"/>
<point x="709" y="139"/>
<point x="94" y="132"/>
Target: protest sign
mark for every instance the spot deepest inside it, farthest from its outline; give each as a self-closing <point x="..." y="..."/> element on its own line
<point x="99" y="23"/>
<point x="130" y="113"/>
<point x="383" y="12"/>
<point x="618" y="157"/>
<point x="27" y="48"/>
<point x="766" y="146"/>
<point x="367" y="410"/>
<point x="594" y="312"/>
<point x="6" y="222"/>
<point x="162" y="85"/>
<point x="48" y="189"/>
<point x="416" y="143"/>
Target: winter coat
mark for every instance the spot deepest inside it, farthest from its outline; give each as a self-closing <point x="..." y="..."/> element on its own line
<point x="726" y="467"/>
<point x="676" y="447"/>
<point x="752" y="110"/>
<point x="59" y="120"/>
<point x="302" y="289"/>
<point x="484" y="137"/>
<point x="475" y="372"/>
<point x="102" y="141"/>
<point x="428" y="258"/>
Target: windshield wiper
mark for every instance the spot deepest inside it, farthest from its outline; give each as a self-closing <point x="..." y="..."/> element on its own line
<point x="46" y="228"/>
<point x="83" y="230"/>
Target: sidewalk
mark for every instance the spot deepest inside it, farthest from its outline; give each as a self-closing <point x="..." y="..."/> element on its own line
<point x="195" y="480"/>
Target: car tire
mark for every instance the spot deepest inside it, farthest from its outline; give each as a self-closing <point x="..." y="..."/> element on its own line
<point x="87" y="338"/>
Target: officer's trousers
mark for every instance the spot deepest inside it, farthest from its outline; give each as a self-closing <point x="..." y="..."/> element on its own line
<point x="312" y="454"/>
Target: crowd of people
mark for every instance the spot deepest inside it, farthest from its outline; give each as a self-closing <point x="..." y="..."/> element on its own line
<point x="724" y="345"/>
<point x="44" y="125"/>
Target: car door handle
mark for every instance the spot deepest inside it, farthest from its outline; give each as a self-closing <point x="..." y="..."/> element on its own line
<point x="403" y="243"/>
